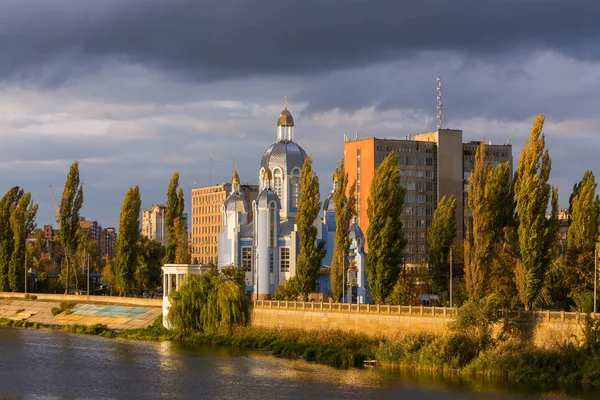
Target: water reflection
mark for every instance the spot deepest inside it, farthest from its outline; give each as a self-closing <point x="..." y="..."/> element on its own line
<point x="51" y="365"/>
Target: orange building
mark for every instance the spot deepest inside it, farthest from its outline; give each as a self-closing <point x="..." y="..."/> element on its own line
<point x="207" y="218"/>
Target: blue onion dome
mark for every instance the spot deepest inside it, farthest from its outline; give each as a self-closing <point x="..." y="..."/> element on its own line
<point x="265" y="197"/>
<point x="356" y="234"/>
<point x="285" y="155"/>
<point x="329" y="203"/>
<point x="236" y="202"/>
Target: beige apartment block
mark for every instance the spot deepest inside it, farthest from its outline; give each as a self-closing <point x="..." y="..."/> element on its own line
<point x="207" y="218"/>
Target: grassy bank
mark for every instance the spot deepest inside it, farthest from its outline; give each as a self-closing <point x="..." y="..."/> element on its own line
<point x="451" y="354"/>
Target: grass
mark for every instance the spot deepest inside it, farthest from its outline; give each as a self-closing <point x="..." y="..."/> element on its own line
<point x="456" y="353"/>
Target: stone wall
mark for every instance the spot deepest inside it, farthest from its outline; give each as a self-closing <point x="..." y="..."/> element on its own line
<point x="83" y="298"/>
<point x="547" y="328"/>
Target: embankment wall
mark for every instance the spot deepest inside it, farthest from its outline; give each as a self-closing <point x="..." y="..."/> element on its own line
<point x="547" y="327"/>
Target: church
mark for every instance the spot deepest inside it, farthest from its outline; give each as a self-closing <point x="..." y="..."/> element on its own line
<point x="267" y="248"/>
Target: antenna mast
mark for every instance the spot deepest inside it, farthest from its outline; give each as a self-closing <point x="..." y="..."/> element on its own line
<point x="439" y="102"/>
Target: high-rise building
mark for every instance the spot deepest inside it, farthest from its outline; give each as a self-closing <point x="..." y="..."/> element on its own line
<point x="432" y="165"/>
<point x="207" y="218"/>
<point x="153" y="223"/>
<point x="108" y="240"/>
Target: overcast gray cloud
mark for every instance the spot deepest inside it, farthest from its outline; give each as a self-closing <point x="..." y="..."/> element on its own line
<point x="136" y="89"/>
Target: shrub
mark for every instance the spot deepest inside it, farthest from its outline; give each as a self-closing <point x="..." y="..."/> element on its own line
<point x="56" y="311"/>
<point x="207" y="301"/>
<point x="66" y="305"/>
<point x="29" y="296"/>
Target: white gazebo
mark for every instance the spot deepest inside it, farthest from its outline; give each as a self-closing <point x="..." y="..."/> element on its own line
<point x="173" y="275"/>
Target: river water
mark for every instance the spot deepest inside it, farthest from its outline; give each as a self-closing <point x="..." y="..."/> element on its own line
<point x="45" y="364"/>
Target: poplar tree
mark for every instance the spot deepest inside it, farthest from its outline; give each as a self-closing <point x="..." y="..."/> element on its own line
<point x="182" y="252"/>
<point x="384" y="235"/>
<point x="174" y="225"/>
<point x="22" y="221"/>
<point x="7" y="241"/>
<point x="537" y="234"/>
<point x="583" y="235"/>
<point x="311" y="254"/>
<point x="126" y="248"/>
<point x="489" y="204"/>
<point x="440" y="236"/>
<point x="345" y="210"/>
<point x="70" y="205"/>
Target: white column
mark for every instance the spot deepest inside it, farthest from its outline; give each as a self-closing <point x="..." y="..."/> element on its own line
<point x="170" y="283"/>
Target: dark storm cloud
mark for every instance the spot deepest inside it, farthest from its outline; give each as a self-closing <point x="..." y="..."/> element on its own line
<point x="214" y="39"/>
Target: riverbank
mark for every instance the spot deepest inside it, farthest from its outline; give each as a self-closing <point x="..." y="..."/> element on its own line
<point x="454" y="354"/>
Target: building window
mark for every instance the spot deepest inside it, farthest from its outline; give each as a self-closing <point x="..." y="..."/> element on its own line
<point x="246" y="258"/>
<point x="277" y="178"/>
<point x="295" y="189"/>
<point x="284" y="259"/>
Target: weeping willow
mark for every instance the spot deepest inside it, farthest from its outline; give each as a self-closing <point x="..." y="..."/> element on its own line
<point x="207" y="301"/>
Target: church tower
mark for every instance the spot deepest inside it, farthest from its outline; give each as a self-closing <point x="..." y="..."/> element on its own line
<point x="285" y="159"/>
<point x="266" y="224"/>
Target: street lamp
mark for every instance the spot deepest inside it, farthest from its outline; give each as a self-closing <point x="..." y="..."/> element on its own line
<point x="595" y="274"/>
<point x="450" y="276"/>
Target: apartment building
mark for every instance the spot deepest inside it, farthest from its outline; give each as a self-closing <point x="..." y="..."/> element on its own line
<point x="207" y="218"/>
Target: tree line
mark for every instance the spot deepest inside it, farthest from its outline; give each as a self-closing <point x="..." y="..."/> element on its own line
<point x="137" y="261"/>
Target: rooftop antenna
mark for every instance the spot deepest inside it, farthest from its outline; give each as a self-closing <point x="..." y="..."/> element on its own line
<point x="439" y="102"/>
<point x="427" y="120"/>
<point x="211" y="162"/>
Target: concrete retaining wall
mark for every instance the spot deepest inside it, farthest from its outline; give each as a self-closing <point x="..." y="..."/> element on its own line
<point x="548" y="327"/>
<point x="90" y="299"/>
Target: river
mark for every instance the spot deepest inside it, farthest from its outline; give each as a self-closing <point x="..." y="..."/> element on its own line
<point x="46" y="364"/>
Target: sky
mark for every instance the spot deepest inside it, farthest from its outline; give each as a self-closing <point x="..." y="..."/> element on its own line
<point x="137" y="89"/>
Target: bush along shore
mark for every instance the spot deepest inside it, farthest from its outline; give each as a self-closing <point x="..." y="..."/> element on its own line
<point x="211" y="309"/>
<point x="456" y="353"/>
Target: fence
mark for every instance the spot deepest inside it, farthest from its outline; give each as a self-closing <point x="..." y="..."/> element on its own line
<point x="539" y="316"/>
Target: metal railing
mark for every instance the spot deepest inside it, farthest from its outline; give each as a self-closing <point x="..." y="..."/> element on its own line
<point x="423" y="311"/>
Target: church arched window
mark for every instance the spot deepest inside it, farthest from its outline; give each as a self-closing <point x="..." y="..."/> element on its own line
<point x="272" y="235"/>
<point x="277" y="178"/>
<point x="295" y="187"/>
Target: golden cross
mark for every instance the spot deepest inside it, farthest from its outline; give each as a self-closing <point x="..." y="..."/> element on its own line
<point x="234" y="166"/>
<point x="285" y="99"/>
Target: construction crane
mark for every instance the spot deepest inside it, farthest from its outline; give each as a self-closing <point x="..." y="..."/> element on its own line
<point x="56" y="213"/>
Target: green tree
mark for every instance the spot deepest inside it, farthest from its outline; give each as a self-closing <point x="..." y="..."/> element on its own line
<point x="182" y="252"/>
<point x="345" y="210"/>
<point x="440" y="236"/>
<point x="385" y="237"/>
<point x="7" y="238"/>
<point x="148" y="272"/>
<point x="70" y="205"/>
<point x="489" y="204"/>
<point x="537" y="234"/>
<point x="22" y="221"/>
<point x="311" y="254"/>
<point x="126" y="247"/>
<point x="173" y="223"/>
<point x="207" y="301"/>
<point x="108" y="274"/>
<point x="583" y="235"/>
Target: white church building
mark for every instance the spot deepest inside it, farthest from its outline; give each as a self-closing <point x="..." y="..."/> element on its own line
<point x="267" y="248"/>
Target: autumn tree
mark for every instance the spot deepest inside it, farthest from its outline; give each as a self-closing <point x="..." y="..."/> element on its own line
<point x="583" y="235"/>
<point x="177" y="249"/>
<point x="489" y="208"/>
<point x="311" y="254"/>
<point x="537" y="234"/>
<point x="7" y="238"/>
<point x="148" y="272"/>
<point x="70" y="205"/>
<point x="22" y="221"/>
<point x="345" y="210"/>
<point x="385" y="236"/>
<point x="440" y="236"/>
<point x="126" y="248"/>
